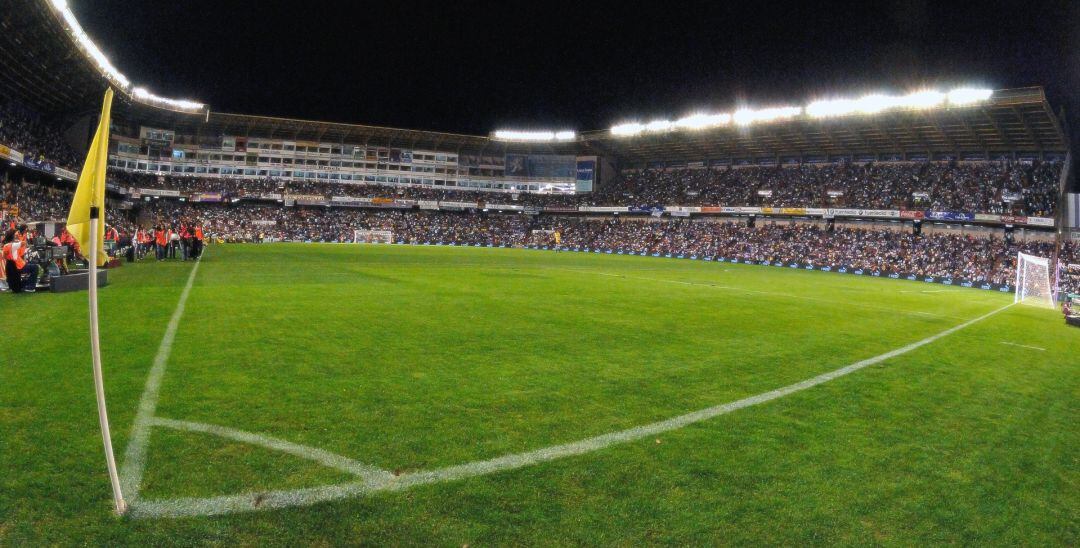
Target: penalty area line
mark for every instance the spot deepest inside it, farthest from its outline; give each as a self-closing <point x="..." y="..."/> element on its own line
<point x="265" y="500"/>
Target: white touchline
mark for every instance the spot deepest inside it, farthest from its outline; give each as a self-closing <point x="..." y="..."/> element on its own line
<point x="1039" y="348"/>
<point x="135" y="455"/>
<point x="264" y="500"/>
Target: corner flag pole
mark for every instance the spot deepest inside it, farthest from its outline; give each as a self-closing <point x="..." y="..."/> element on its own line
<point x="87" y="208"/>
<point x="95" y="350"/>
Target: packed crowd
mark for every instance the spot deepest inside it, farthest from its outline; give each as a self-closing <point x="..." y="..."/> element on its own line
<point x="24" y="131"/>
<point x="34" y="202"/>
<point x="974" y="258"/>
<point x="985" y="187"/>
<point x="990" y="187"/>
<point x="969" y="257"/>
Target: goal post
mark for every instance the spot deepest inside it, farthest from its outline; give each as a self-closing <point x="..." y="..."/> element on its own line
<point x="373" y="236"/>
<point x="1033" y="281"/>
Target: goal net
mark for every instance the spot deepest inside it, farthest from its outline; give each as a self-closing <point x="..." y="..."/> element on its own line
<point x="1033" y="281"/>
<point x="373" y="237"/>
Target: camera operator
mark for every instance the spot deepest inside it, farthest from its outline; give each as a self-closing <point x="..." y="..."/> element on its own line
<point x="21" y="276"/>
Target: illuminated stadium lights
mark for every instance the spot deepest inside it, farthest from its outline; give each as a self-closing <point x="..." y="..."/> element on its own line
<point x="872" y="104"/>
<point x="747" y="116"/>
<point x="88" y="46"/>
<point x="118" y="79"/>
<point x="868" y="104"/>
<point x="178" y="104"/>
<point x="628" y="129"/>
<point x="657" y="126"/>
<point x="694" y="121"/>
<point x="703" y="121"/>
<point x="534" y="136"/>
<point x="967" y="96"/>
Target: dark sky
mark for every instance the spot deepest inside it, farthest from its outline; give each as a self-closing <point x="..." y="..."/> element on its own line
<point x="473" y="67"/>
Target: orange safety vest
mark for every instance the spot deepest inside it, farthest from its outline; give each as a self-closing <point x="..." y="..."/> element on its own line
<point x="160" y="237"/>
<point x="15" y="251"/>
<point x="198" y="233"/>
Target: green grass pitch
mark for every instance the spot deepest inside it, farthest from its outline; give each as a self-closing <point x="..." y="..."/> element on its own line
<point x="417" y="359"/>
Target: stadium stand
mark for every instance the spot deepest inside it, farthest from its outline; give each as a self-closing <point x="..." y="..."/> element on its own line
<point x="986" y="187"/>
<point x="679" y="188"/>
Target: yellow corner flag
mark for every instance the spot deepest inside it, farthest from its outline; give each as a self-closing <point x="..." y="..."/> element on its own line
<point x="91" y="189"/>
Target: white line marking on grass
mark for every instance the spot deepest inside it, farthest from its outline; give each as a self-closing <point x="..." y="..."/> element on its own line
<point x="1039" y="348"/>
<point x="135" y="456"/>
<point x="366" y="472"/>
<point x="247" y="502"/>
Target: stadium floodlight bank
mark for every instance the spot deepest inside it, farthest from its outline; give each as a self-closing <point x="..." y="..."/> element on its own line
<point x="1033" y="281"/>
<point x="373" y="237"/>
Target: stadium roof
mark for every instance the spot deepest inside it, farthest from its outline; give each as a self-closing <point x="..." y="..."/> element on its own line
<point x="45" y="68"/>
<point x="1012" y="120"/>
<point x="42" y="67"/>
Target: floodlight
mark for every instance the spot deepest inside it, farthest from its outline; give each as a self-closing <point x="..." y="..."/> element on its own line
<point x="968" y="96"/>
<point x="923" y="99"/>
<point x="703" y="121"/>
<point x="628" y="129"/>
<point x="657" y="126"/>
<point x="747" y="116"/>
<point x="535" y="136"/>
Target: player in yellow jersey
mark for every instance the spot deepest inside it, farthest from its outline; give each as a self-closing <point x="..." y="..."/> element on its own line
<point x="558" y="240"/>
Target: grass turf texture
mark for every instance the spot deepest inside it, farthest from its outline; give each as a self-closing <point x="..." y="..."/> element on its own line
<point x="416" y="358"/>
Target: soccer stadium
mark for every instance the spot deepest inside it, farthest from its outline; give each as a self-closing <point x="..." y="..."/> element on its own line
<point x="834" y="318"/>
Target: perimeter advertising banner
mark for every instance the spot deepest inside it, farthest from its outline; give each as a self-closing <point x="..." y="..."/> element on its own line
<point x="40" y="165"/>
<point x="206" y="197"/>
<point x="1013" y="219"/>
<point x="882" y="213"/>
<point x="456" y="206"/>
<point x="604" y="209"/>
<point x="949" y="216"/>
<point x="70" y="175"/>
<point x="350" y="199"/>
<point x="9" y="154"/>
<point x="159" y="192"/>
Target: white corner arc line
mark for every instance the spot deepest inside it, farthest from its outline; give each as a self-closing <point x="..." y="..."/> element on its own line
<point x="363" y="471"/>
<point x="135" y="455"/>
<point x="248" y="502"/>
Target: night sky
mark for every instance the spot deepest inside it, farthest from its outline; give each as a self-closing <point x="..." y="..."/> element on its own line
<point x="470" y="67"/>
